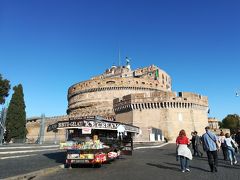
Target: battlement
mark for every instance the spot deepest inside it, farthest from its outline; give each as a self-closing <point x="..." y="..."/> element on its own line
<point x="148" y="77"/>
<point x="116" y="84"/>
<point x="160" y="99"/>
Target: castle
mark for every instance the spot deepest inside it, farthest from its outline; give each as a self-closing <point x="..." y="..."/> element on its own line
<point x="141" y="97"/>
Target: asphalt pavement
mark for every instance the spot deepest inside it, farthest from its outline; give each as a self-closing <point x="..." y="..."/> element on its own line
<point x="150" y="163"/>
<point x="24" y="158"/>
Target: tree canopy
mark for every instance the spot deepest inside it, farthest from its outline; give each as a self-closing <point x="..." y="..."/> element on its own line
<point x="16" y="116"/>
<point x="231" y="121"/>
<point x="4" y="89"/>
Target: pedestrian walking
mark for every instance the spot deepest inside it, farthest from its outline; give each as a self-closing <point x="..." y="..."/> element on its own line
<point x="230" y="143"/>
<point x="237" y="138"/>
<point x="183" y="152"/>
<point x="193" y="143"/>
<point x="209" y="141"/>
<point x="223" y="145"/>
<point x="197" y="144"/>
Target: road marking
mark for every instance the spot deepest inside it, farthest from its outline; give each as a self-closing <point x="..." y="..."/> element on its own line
<point x="33" y="174"/>
<point x="28" y="147"/>
<point x="150" y="147"/>
<point x="11" y="157"/>
<point x="27" y="151"/>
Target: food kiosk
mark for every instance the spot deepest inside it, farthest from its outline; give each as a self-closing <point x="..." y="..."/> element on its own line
<point x="95" y="140"/>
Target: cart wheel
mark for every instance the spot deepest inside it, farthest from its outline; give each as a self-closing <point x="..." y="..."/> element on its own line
<point x="69" y="166"/>
<point x="66" y="165"/>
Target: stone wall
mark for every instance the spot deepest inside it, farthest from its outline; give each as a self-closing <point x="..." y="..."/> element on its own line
<point x="165" y="111"/>
<point x="95" y="97"/>
<point x="33" y="127"/>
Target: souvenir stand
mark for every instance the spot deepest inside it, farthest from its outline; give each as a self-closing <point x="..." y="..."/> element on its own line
<point x="95" y="140"/>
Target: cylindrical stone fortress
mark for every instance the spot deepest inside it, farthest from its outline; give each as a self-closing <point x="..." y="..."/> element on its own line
<point x="95" y="96"/>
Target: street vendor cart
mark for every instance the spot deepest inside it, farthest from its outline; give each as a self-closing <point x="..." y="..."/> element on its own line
<point x="95" y="140"/>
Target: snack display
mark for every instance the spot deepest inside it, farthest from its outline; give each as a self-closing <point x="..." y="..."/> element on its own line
<point x="101" y="141"/>
<point x="112" y="155"/>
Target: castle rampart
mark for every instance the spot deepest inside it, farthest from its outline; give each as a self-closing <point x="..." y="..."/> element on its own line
<point x="95" y="96"/>
<point x="163" y="111"/>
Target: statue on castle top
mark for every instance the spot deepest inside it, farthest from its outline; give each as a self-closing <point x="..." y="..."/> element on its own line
<point x="128" y="63"/>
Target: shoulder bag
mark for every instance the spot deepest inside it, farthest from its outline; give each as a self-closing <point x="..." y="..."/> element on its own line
<point x="216" y="142"/>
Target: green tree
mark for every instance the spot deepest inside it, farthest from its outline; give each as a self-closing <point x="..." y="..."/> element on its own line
<point x="231" y="121"/>
<point x="220" y="124"/>
<point x="4" y="89"/>
<point x="16" y="116"/>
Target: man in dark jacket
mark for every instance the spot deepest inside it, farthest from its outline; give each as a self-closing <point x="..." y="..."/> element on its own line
<point x="237" y="138"/>
<point x="193" y="143"/>
<point x="197" y="144"/>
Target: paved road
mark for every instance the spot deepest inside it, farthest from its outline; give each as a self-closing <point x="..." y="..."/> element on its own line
<point x="21" y="159"/>
<point x="158" y="163"/>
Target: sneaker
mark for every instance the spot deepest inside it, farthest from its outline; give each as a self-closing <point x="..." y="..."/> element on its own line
<point x="235" y="162"/>
<point x="187" y="169"/>
<point x="231" y="163"/>
<point x="183" y="170"/>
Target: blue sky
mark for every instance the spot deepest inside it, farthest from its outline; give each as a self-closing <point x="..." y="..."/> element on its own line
<point x="49" y="45"/>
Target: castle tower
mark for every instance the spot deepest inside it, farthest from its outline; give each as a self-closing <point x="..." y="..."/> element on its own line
<point x="95" y="96"/>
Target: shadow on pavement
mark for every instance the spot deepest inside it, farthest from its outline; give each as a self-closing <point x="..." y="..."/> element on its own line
<point x="192" y="167"/>
<point x="163" y="167"/>
<point x="230" y="167"/>
<point x="59" y="157"/>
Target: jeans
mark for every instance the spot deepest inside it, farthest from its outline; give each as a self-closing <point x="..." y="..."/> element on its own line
<point x="231" y="154"/>
<point x="184" y="163"/>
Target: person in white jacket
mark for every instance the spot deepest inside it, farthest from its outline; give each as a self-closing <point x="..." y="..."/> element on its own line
<point x="230" y="149"/>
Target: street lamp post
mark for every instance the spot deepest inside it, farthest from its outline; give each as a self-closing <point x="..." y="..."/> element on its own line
<point x="2" y="124"/>
<point x="237" y="95"/>
<point x="42" y="129"/>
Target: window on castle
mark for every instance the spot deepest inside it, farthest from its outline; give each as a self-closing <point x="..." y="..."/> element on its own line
<point x="110" y="82"/>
